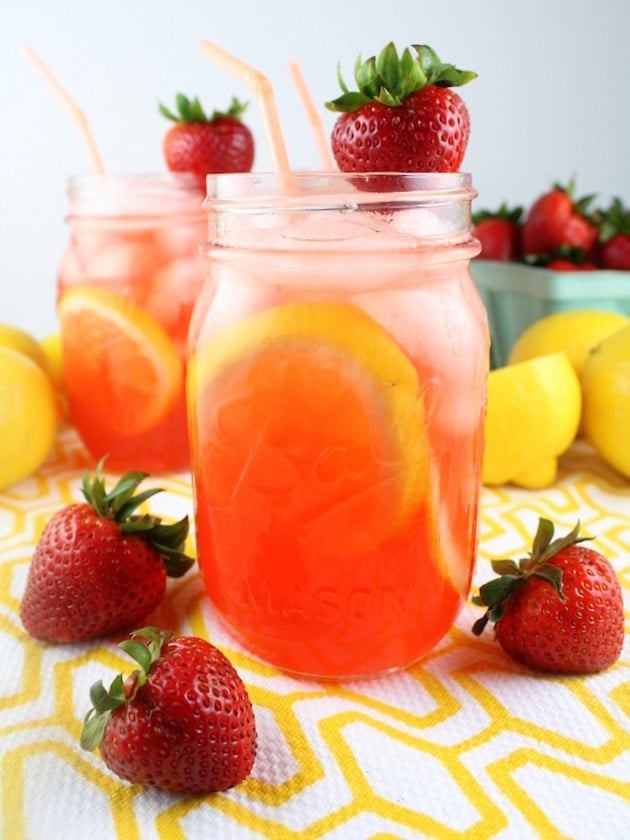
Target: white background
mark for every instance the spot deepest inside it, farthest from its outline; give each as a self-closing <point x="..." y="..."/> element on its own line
<point x="551" y="102"/>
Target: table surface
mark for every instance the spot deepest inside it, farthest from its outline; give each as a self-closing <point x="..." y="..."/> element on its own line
<point x="464" y="744"/>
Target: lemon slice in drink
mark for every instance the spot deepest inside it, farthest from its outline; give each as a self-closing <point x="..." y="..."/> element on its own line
<point x="312" y="410"/>
<point x="533" y="415"/>
<point x="118" y="358"/>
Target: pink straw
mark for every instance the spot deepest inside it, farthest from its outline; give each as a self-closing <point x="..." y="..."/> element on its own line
<point x="263" y="91"/>
<point x="313" y="115"/>
<point x="75" y="112"/>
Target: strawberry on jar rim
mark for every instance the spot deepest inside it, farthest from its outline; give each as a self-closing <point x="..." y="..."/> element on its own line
<point x="404" y="115"/>
<point x="182" y="722"/>
<point x="205" y="144"/>
<point x="558" y="610"/>
<point x="99" y="566"/>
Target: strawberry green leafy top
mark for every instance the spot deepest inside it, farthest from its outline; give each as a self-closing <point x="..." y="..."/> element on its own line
<point x="120" y="505"/>
<point x="123" y="689"/>
<point x="389" y="78"/>
<point x="495" y="594"/>
<point x="191" y="110"/>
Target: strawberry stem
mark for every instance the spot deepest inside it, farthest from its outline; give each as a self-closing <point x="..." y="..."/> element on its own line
<point x="612" y="221"/>
<point x="505" y="212"/>
<point x="144" y="647"/>
<point x="191" y="110"/>
<point x="389" y="78"/>
<point x="496" y="593"/>
<point x="120" y="505"/>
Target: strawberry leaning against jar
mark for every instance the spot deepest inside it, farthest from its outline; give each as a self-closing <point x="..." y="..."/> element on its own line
<point x="100" y="566"/>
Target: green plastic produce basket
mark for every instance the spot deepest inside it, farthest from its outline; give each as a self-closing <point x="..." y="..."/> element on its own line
<point x="516" y="295"/>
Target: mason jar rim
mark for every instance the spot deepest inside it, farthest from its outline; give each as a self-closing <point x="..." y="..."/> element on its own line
<point x="311" y="190"/>
<point x="131" y="194"/>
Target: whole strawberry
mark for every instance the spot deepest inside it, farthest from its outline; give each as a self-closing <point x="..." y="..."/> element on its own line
<point x="100" y="567"/>
<point x="201" y="144"/>
<point x="558" y="220"/>
<point x="499" y="233"/>
<point x="560" y="609"/>
<point x="182" y="723"/>
<point x="614" y="237"/>
<point x="404" y="117"/>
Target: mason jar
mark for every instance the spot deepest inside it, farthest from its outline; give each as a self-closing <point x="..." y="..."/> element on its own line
<point x="338" y="361"/>
<point x="127" y="284"/>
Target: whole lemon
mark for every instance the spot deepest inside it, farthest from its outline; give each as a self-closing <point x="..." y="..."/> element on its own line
<point x="574" y="332"/>
<point x="533" y="414"/>
<point x="28" y="416"/>
<point x="18" y="339"/>
<point x="51" y="346"/>
<point x="606" y="396"/>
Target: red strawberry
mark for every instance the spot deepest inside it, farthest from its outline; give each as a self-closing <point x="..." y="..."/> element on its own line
<point x="499" y="233"/>
<point x="566" y="264"/>
<point x="182" y="723"/>
<point x="560" y="609"/>
<point x="614" y="253"/>
<point x="555" y="220"/>
<point x="614" y="237"/>
<point x="404" y="117"/>
<point x="201" y="144"/>
<point x="99" y="567"/>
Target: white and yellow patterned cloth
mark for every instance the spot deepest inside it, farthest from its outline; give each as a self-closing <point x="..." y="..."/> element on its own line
<point x="464" y="745"/>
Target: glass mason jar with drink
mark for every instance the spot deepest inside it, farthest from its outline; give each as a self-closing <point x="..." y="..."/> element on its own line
<point x="127" y="285"/>
<point x="336" y="393"/>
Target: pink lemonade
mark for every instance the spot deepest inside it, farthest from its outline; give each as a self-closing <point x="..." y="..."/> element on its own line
<point x="336" y="398"/>
<point x="128" y="283"/>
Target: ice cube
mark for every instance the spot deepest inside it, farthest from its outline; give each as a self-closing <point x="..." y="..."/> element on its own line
<point x="125" y="262"/>
<point x="172" y="294"/>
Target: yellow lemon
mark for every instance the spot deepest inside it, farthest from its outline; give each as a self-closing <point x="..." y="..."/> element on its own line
<point x="51" y="345"/>
<point x="28" y="416"/>
<point x="574" y="332"/>
<point x="606" y="395"/>
<point x="532" y="417"/>
<point x="17" y="339"/>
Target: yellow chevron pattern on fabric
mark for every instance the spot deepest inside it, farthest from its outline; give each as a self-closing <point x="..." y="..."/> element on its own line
<point x="466" y="744"/>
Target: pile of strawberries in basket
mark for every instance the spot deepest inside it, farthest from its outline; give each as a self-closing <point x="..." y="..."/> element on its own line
<point x="559" y="232"/>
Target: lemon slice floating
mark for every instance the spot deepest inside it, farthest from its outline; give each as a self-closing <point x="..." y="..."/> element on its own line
<point x="313" y="408"/>
<point x="119" y="362"/>
<point x="533" y="415"/>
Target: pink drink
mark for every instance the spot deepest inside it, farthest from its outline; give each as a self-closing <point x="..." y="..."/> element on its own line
<point x="134" y="257"/>
<point x="336" y="398"/>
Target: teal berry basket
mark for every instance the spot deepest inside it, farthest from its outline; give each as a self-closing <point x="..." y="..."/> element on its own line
<point x="515" y="295"/>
